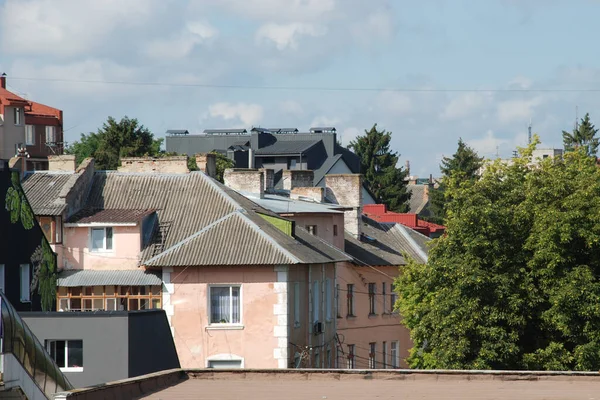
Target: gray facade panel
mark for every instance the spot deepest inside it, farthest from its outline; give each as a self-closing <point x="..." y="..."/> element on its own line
<point x="105" y="342"/>
<point x="193" y="144"/>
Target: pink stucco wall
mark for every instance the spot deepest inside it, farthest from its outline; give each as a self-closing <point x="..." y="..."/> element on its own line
<point x="363" y="329"/>
<point x="196" y="341"/>
<point x="324" y="223"/>
<point x="124" y="255"/>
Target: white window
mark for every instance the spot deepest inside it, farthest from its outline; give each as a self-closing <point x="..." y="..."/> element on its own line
<point x="50" y="134"/>
<point x="392" y="299"/>
<point x="225" y="305"/>
<point x="29" y="135"/>
<point x="372" y="352"/>
<point x="312" y="229"/>
<point x="25" y="279"/>
<point x="102" y="239"/>
<point x="17" y="114"/>
<point x="224" y="364"/>
<point x="296" y="304"/>
<point x="2" y="279"/>
<point x="328" y="299"/>
<point x="351" y="362"/>
<point x="315" y="296"/>
<point x="384" y="361"/>
<point x="68" y="354"/>
<point x="394" y="360"/>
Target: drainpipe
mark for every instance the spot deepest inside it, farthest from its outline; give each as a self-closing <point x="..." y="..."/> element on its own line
<point x="323" y="351"/>
<point x="310" y="311"/>
<point x="336" y="302"/>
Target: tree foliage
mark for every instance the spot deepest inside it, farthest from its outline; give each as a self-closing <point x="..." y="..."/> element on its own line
<point x="463" y="166"/>
<point x="514" y="283"/>
<point x="223" y="162"/>
<point x="378" y="164"/>
<point x="584" y="135"/>
<point x="116" y="139"/>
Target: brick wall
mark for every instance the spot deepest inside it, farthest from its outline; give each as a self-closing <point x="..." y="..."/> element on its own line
<point x="346" y="190"/>
<point x="250" y="181"/>
<point x="207" y="163"/>
<point x="269" y="176"/>
<point x="165" y="165"/>
<point x="315" y="193"/>
<point x="297" y="178"/>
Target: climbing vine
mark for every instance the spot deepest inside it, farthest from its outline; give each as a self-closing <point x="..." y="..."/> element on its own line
<point x="44" y="274"/>
<point x="17" y="205"/>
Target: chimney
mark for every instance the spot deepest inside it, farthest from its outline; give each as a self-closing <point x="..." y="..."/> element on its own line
<point x="65" y="162"/>
<point x="346" y="190"/>
<point x="246" y="181"/>
<point x="250" y="158"/>
<point x="3" y="81"/>
<point x="163" y="165"/>
<point x="269" y="175"/>
<point x="207" y="163"/>
<point x="297" y="178"/>
<point x="407" y="167"/>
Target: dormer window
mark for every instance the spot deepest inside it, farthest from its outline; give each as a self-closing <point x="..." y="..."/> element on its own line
<point x="101" y="239"/>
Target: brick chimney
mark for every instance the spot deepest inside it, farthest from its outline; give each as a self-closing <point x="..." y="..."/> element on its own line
<point x="163" y="165"/>
<point x="207" y="163"/>
<point x="3" y="81"/>
<point x="246" y="181"/>
<point x="346" y="190"/>
<point x="297" y="178"/>
<point x="65" y="162"/>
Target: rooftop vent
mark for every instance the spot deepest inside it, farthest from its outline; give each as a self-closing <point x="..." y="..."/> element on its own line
<point x="283" y="130"/>
<point x="224" y="132"/>
<point x="175" y="132"/>
<point x="324" y="129"/>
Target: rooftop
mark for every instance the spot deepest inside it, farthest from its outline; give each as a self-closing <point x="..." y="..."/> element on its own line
<point x="282" y="204"/>
<point x="287" y="147"/>
<point x="346" y="384"/>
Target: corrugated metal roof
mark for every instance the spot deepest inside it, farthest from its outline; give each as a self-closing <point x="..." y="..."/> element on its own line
<point x="282" y="204"/>
<point x="84" y="277"/>
<point x="87" y="216"/>
<point x="43" y="189"/>
<point x="287" y="147"/>
<point x="385" y="244"/>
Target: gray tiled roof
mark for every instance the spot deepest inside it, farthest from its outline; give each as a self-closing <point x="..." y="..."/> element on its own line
<point x="202" y="222"/>
<point x="73" y="278"/>
<point x="43" y="189"/>
<point x="87" y="216"/>
<point x="287" y="147"/>
<point x="418" y="200"/>
<point x="385" y="244"/>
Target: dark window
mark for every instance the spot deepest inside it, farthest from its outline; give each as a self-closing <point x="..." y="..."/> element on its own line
<point x="68" y="354"/>
<point x="312" y="229"/>
<point x="335" y="232"/>
<point x="372" y="290"/>
<point x="350" y="300"/>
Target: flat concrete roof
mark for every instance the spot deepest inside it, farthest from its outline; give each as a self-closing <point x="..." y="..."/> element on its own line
<point x="349" y="384"/>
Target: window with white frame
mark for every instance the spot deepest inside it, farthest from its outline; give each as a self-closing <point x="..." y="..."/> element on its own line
<point x="384" y="361"/>
<point x="101" y="239"/>
<point x="25" y="279"/>
<point x="328" y="299"/>
<point x="383" y="296"/>
<point x="315" y="297"/>
<point x="29" y="135"/>
<point x="18" y="116"/>
<point x="2" y="279"/>
<point x="392" y="299"/>
<point x="225" y="304"/>
<point x="312" y="229"/>
<point x="50" y="134"/>
<point x="394" y="360"/>
<point x="68" y="354"/>
<point x="296" y="304"/>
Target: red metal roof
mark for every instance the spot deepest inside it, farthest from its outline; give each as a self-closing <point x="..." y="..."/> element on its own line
<point x="380" y="213"/>
<point x="42" y="110"/>
<point x="9" y="98"/>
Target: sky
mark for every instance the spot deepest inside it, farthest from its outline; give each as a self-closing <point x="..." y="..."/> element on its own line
<point x="428" y="71"/>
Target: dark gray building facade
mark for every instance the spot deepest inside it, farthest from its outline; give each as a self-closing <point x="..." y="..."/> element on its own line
<point x="278" y="149"/>
<point x="92" y="348"/>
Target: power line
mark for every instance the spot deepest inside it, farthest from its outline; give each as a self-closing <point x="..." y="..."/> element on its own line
<point x="308" y="88"/>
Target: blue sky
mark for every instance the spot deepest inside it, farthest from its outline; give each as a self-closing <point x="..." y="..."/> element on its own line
<point x="458" y="58"/>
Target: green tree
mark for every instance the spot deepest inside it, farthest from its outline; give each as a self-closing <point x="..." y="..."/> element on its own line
<point x="378" y="164"/>
<point x="584" y="135"/>
<point x="223" y="162"/>
<point x="514" y="283"/>
<point x="463" y="165"/>
<point x="116" y="139"/>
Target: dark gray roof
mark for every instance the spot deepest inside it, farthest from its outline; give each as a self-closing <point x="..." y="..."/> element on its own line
<point x="73" y="278"/>
<point x="283" y="130"/>
<point x="225" y="131"/>
<point x="418" y="198"/>
<point x="177" y="132"/>
<point x="287" y="147"/>
<point x="43" y="190"/>
<point x="202" y="222"/>
<point x="325" y="168"/>
<point x="385" y="244"/>
<point x="319" y="129"/>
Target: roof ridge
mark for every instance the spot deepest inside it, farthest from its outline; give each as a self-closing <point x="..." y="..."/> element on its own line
<point x="220" y="190"/>
<point x="190" y="238"/>
<point x="402" y="229"/>
<point x="268" y="237"/>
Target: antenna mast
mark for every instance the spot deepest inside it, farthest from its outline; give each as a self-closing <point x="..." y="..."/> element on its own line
<point x="529" y="132"/>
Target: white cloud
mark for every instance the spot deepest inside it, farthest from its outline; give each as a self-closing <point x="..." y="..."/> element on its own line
<point x="248" y="114"/>
<point x="291" y="107"/>
<point x="287" y="35"/>
<point x="396" y="102"/>
<point x="349" y="134"/>
<point x="466" y="104"/>
<point x="287" y="10"/>
<point x="488" y="145"/>
<point x="181" y="44"/>
<point x="325" y="121"/>
<point x="517" y="110"/>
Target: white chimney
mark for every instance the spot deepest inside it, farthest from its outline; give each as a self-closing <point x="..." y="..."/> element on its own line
<point x="246" y="181"/>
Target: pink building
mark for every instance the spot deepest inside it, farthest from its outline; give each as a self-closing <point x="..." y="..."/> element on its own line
<point x="241" y="286"/>
<point x="370" y="332"/>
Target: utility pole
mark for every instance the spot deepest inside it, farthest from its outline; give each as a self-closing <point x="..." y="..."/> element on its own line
<point x="529" y="132"/>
